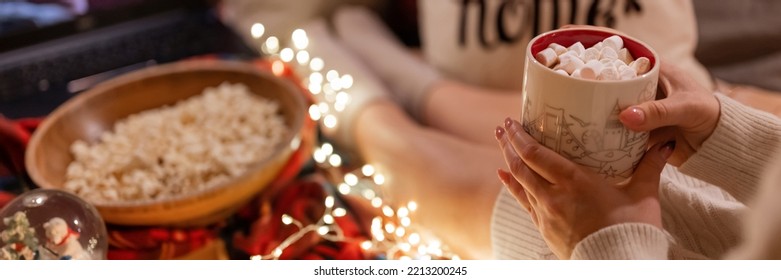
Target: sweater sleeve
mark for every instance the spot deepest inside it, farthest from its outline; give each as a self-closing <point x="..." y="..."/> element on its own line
<point x="736" y="154"/>
<point x="624" y="242"/>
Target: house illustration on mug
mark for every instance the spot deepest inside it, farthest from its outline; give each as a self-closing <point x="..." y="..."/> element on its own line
<point x="605" y="147"/>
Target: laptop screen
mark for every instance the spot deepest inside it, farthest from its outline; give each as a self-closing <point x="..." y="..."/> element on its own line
<point x="51" y="50"/>
<point x="27" y="22"/>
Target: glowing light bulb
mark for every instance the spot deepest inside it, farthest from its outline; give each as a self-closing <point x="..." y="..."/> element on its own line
<point x="314" y="112"/>
<point x="347" y="81"/>
<point x="412" y="206"/>
<point x="323" y="230"/>
<point x="315" y="88"/>
<point x="302" y="57"/>
<point x="339" y="212"/>
<point x="328" y="149"/>
<point x="367" y="170"/>
<point x="342" y="97"/>
<point x="329" y="201"/>
<point x="387" y="211"/>
<point x="344" y="188"/>
<point x="323" y="107"/>
<point x="286" y="54"/>
<point x="286" y="219"/>
<point x="351" y="179"/>
<point x="379" y="179"/>
<point x="402" y="212"/>
<point x="271" y="46"/>
<point x="316" y="64"/>
<point x="368" y="194"/>
<point x="300" y="40"/>
<point x="390" y="228"/>
<point x="278" y="68"/>
<point x="414" y="238"/>
<point x="400" y="231"/>
<point x="366" y="245"/>
<point x="319" y="155"/>
<point x="405" y="221"/>
<point x="328" y="219"/>
<point x="376" y="202"/>
<point x="335" y="160"/>
<point x="315" y="78"/>
<point x="257" y="30"/>
<point x="332" y="75"/>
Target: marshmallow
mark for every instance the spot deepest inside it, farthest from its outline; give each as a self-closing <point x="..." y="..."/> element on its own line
<point x="569" y="62"/>
<point x="576" y="74"/>
<point x="591" y="70"/>
<point x="618" y="63"/>
<point x="625" y="56"/>
<point x="578" y="48"/>
<point x="614" y="42"/>
<point x="609" y="73"/>
<point x="607" y="60"/>
<point x="562" y="72"/>
<point x="590" y="54"/>
<point x="547" y="57"/>
<point x="626" y="73"/>
<point x="641" y="65"/>
<point x="559" y="49"/>
<point x="608" y="53"/>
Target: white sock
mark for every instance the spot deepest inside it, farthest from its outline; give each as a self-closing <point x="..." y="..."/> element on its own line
<point x="366" y="87"/>
<point x="408" y="77"/>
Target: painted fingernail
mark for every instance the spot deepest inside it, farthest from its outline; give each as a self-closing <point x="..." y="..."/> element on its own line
<point x="508" y="123"/>
<point x="499" y="132"/>
<point x="503" y="176"/>
<point x="668" y="149"/>
<point x="633" y="115"/>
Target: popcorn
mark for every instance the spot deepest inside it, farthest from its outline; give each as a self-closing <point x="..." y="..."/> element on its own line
<point x="195" y="144"/>
<point x="607" y="60"/>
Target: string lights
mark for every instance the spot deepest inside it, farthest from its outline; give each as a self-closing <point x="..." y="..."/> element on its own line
<point x="392" y="234"/>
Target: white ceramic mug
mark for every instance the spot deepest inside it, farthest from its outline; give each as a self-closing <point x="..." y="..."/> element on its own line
<point x="578" y="118"/>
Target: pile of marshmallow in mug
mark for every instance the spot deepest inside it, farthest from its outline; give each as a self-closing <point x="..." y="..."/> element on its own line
<point x="606" y="60"/>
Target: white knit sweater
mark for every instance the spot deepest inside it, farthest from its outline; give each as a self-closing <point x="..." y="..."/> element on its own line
<point x="701" y="220"/>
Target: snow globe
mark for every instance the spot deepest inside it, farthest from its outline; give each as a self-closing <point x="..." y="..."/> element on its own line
<point x="46" y="224"/>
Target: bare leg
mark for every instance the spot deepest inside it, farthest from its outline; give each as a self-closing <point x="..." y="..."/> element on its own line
<point x="452" y="180"/>
<point x="469" y="112"/>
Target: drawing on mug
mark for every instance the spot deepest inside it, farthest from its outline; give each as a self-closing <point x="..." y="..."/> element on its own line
<point x="608" y="149"/>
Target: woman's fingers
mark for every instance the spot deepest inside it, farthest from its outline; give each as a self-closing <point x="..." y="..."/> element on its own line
<point x="515" y="189"/>
<point x="551" y="166"/>
<point x="650" y="167"/>
<point x="654" y="114"/>
<point x="532" y="182"/>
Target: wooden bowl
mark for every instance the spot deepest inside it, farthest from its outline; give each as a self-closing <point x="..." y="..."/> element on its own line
<point x="89" y="114"/>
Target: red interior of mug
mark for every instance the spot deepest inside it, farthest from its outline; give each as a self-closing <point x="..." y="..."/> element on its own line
<point x="589" y="37"/>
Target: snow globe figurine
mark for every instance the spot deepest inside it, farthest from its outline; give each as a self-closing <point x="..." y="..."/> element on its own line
<point x="50" y="225"/>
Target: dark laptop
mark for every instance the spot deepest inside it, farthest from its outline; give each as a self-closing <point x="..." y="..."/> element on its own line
<point x="53" y="49"/>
